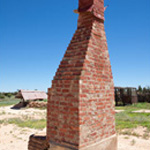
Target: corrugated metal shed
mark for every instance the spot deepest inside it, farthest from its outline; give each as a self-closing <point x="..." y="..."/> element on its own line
<point x="31" y="95"/>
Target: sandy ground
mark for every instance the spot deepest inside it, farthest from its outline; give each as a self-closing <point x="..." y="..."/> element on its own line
<point x="132" y="143"/>
<point x="142" y="111"/>
<point x="137" y="111"/>
<point x="118" y="111"/>
<point x="13" y="137"/>
<point x="7" y="112"/>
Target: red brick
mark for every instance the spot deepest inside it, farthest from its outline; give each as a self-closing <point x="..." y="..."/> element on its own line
<point x="82" y="92"/>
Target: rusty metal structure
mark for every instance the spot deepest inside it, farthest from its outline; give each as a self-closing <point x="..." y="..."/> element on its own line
<point x="125" y="95"/>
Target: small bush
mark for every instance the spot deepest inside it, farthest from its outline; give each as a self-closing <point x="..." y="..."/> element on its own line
<point x="2" y="96"/>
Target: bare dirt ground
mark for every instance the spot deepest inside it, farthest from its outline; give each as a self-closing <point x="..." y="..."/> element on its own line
<point x="126" y="142"/>
<point x="13" y="137"/>
<point x="7" y="112"/>
<point x="142" y="111"/>
<point x="118" y="111"/>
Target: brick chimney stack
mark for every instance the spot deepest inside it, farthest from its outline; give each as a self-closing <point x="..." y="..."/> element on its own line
<point x="80" y="112"/>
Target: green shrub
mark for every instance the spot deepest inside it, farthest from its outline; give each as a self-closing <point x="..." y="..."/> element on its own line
<point x="2" y="96"/>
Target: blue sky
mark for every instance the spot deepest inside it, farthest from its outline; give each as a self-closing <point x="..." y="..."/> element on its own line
<point x="34" y="35"/>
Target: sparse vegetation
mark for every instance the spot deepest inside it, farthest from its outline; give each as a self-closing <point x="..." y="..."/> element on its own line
<point x="30" y="123"/>
<point x="133" y="107"/>
<point x="129" y="132"/>
<point x="129" y="119"/>
<point x="133" y="142"/>
<point x="9" y="101"/>
<point x="8" y="98"/>
<point x="132" y="120"/>
<point x="45" y="100"/>
<point x="146" y="135"/>
<point x="1" y="121"/>
<point x="2" y="113"/>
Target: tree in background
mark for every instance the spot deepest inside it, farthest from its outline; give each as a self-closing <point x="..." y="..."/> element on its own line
<point x="143" y="94"/>
<point x="4" y="95"/>
<point x="140" y="90"/>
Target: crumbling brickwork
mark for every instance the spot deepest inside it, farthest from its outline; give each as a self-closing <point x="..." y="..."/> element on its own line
<point x="38" y="142"/>
<point x="81" y="102"/>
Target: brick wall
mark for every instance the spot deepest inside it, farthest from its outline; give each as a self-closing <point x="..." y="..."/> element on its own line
<point x="96" y="96"/>
<point x="81" y="101"/>
<point x="38" y="142"/>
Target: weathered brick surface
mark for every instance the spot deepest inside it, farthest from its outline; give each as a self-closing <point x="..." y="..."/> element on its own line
<point x="80" y="104"/>
<point x="38" y="142"/>
<point x="96" y="7"/>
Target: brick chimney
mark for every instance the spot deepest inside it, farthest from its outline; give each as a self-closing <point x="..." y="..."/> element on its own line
<point x="80" y="112"/>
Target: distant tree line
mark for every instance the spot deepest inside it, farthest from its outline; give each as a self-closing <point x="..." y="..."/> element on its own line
<point x="4" y="95"/>
<point x="143" y="94"/>
<point x="144" y="90"/>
